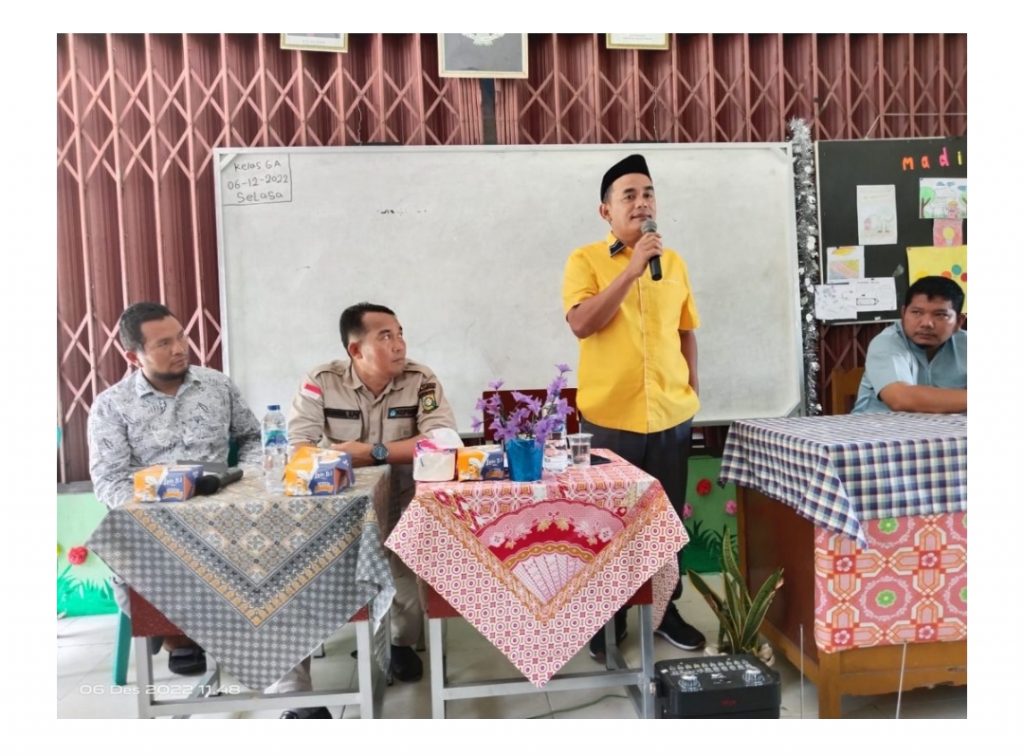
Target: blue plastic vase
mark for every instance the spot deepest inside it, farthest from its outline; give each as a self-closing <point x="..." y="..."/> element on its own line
<point x="524" y="459"/>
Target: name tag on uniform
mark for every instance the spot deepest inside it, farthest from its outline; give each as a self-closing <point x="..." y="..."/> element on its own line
<point x="342" y="414"/>
<point x="397" y="412"/>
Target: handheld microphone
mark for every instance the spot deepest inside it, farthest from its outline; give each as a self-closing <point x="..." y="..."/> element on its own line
<point x="211" y="482"/>
<point x="650" y="227"/>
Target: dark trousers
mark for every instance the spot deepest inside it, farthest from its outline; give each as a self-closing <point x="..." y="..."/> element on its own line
<point x="664" y="455"/>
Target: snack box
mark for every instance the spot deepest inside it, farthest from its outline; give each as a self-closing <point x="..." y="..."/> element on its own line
<point x="481" y="463"/>
<point x="312" y="471"/>
<point x="166" y="482"/>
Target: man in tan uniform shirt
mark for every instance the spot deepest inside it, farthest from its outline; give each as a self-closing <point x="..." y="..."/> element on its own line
<point x="375" y="407"/>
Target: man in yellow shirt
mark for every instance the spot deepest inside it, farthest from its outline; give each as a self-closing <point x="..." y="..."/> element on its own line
<point x="638" y="354"/>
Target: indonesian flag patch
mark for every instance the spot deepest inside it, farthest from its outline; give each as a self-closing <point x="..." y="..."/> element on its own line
<point x="311" y="391"/>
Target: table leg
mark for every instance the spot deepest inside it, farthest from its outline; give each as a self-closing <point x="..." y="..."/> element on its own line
<point x="144" y="677"/>
<point x="646" y="708"/>
<point x="829" y="691"/>
<point x="437" y="672"/>
<point x="365" y="663"/>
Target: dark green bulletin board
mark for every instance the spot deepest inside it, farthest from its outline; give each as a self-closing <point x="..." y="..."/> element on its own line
<point x="843" y="165"/>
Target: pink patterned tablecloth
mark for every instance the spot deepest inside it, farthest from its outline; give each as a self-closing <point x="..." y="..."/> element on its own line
<point x="538" y="568"/>
<point x="909" y="586"/>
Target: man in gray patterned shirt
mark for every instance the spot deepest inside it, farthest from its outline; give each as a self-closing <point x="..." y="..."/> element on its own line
<point x="164" y="412"/>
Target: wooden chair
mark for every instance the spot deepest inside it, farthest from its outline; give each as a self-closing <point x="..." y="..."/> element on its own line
<point x="843" y="388"/>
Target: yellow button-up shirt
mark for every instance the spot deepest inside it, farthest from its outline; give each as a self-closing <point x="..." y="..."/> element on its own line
<point x="632" y="373"/>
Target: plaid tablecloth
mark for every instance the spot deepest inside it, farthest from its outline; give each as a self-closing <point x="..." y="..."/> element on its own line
<point x="259" y="581"/>
<point x="538" y="568"/>
<point x="842" y="470"/>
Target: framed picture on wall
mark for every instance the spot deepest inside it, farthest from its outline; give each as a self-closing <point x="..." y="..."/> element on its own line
<point x="482" y="56"/>
<point x="636" y="41"/>
<point x="315" y="42"/>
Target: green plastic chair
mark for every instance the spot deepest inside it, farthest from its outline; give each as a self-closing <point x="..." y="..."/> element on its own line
<point x="122" y="649"/>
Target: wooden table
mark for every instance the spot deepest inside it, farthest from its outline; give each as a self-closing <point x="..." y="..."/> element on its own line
<point x="874" y="598"/>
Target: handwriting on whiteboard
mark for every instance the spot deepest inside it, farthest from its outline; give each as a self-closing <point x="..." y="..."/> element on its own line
<point x="257" y="181"/>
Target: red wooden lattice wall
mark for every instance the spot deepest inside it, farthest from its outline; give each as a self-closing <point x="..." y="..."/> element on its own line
<point x="138" y="116"/>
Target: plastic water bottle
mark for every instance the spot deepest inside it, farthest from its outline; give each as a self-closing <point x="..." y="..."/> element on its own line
<point x="275" y="449"/>
<point x="556" y="448"/>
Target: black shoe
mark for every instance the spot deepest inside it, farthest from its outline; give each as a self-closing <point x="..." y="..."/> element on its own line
<point x="319" y="712"/>
<point x="678" y="632"/>
<point x="597" y="647"/>
<point x="156" y="642"/>
<point x="406" y="664"/>
<point x="190" y="660"/>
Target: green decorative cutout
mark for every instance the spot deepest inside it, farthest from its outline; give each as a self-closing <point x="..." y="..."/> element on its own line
<point x="82" y="589"/>
<point x="704" y="551"/>
<point x="888" y="525"/>
<point x="963" y="594"/>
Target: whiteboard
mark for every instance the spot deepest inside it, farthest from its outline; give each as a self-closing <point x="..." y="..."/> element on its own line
<point x="467" y="245"/>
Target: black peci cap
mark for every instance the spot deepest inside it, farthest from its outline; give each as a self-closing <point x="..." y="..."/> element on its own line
<point x="631" y="164"/>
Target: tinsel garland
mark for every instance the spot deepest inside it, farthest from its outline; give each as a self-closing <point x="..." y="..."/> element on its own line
<point x="808" y="255"/>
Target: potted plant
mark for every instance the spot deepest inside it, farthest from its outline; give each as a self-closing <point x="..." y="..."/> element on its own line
<point x="739" y="614"/>
<point x="524" y="430"/>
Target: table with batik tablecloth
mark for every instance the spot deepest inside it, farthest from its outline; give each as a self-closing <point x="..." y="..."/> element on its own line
<point x="867" y="514"/>
<point x="258" y="580"/>
<point x="538" y="568"/>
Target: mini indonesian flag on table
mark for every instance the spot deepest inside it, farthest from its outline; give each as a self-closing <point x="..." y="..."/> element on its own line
<point x="948" y="262"/>
<point x="311" y="390"/>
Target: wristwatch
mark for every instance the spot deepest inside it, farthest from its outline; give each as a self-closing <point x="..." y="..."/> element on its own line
<point x="379" y="452"/>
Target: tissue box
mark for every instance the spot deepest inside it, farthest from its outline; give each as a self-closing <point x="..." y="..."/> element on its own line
<point x="166" y="482"/>
<point x="317" y="472"/>
<point x="481" y="463"/>
<point x="433" y="462"/>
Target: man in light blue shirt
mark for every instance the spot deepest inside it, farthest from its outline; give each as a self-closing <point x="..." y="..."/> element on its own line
<point x="920" y="363"/>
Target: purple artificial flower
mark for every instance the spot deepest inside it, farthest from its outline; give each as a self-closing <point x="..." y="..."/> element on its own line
<point x="531" y="417"/>
<point x="501" y="433"/>
<point x="477" y="424"/>
<point x="543" y="428"/>
<point x="527" y="402"/>
<point x="556" y="387"/>
<point x="730" y="507"/>
<point x="687" y="511"/>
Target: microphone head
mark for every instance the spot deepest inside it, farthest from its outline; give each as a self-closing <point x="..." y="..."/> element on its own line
<point x="208" y="484"/>
<point x="649" y="226"/>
